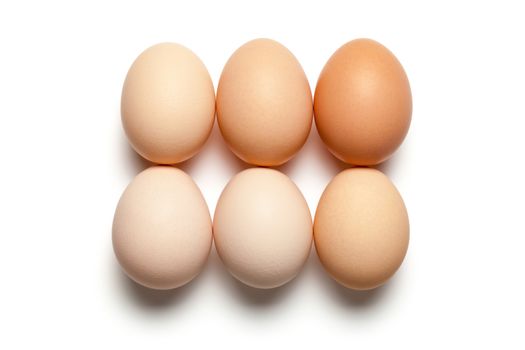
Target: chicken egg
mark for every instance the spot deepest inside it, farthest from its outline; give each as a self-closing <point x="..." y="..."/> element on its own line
<point x="363" y="103"/>
<point x="168" y="104"/>
<point x="264" y="103"/>
<point x="162" y="230"/>
<point x="262" y="228"/>
<point x="361" y="228"/>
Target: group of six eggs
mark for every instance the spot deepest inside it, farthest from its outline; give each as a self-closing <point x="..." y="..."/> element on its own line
<point x="262" y="227"/>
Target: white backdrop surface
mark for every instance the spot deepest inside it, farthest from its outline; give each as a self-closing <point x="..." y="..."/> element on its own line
<point x="66" y="162"/>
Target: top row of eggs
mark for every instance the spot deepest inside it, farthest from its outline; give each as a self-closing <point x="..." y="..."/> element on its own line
<point x="362" y="103"/>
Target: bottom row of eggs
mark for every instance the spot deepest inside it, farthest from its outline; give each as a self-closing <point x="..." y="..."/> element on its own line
<point x="263" y="232"/>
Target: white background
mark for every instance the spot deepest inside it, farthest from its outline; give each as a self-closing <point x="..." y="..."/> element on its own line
<point x="65" y="163"/>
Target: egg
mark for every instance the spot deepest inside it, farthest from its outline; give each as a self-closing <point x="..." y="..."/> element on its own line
<point x="363" y="103"/>
<point x="162" y="230"/>
<point x="361" y="228"/>
<point x="168" y="104"/>
<point x="262" y="228"/>
<point x="264" y="103"/>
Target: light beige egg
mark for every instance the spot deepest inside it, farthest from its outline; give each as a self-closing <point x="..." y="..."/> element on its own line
<point x="162" y="230"/>
<point x="168" y="104"/>
<point x="361" y="228"/>
<point x="264" y="103"/>
<point x="262" y="228"/>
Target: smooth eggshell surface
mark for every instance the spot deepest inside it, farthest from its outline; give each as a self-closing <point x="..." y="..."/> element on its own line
<point x="168" y="104"/>
<point x="262" y="228"/>
<point x="264" y="103"/>
<point x="363" y="103"/>
<point x="361" y="228"/>
<point x="162" y="231"/>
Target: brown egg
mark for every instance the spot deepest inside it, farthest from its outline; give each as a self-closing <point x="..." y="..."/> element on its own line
<point x="162" y="231"/>
<point x="264" y="103"/>
<point x="363" y="103"/>
<point x="361" y="228"/>
<point x="168" y="104"/>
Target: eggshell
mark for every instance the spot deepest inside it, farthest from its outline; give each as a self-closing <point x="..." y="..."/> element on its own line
<point x="262" y="228"/>
<point x="168" y="104"/>
<point x="264" y="103"/>
<point x="361" y="228"/>
<point x="363" y="103"/>
<point x="162" y="231"/>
